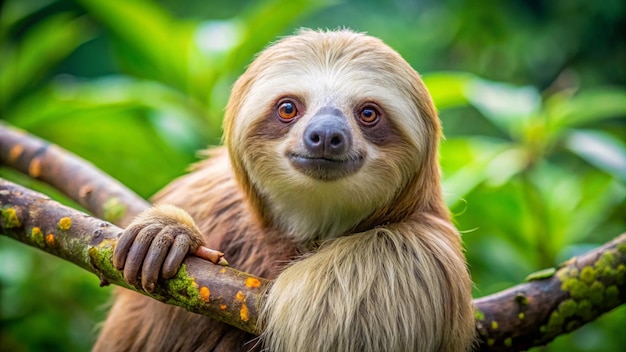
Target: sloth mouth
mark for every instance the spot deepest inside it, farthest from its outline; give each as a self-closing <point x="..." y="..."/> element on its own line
<point x="325" y="168"/>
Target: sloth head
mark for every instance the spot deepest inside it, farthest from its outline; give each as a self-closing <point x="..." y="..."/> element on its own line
<point x="333" y="132"/>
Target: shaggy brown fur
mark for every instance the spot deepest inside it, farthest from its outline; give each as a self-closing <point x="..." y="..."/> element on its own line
<point x="359" y="241"/>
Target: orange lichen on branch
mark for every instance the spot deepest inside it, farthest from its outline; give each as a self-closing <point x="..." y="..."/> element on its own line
<point x="253" y="282"/>
<point x="65" y="223"/>
<point x="205" y="293"/>
<point x="50" y="240"/>
<point x="34" y="168"/>
<point x="240" y="297"/>
<point x="243" y="313"/>
<point x="16" y="152"/>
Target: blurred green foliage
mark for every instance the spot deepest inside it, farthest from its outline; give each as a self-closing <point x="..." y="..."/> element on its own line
<point x="531" y="94"/>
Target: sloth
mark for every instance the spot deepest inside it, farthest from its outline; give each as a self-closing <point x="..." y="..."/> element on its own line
<point x="328" y="184"/>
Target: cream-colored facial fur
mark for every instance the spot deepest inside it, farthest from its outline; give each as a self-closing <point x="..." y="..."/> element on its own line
<point x="329" y="70"/>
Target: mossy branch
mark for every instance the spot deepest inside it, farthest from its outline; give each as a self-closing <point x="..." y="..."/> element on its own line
<point x="554" y="301"/>
<point x="551" y="303"/>
<point x="200" y="286"/>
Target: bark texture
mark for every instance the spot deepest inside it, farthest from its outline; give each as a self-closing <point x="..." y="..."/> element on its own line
<point x="200" y="286"/>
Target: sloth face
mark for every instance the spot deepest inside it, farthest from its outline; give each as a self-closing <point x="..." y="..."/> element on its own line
<point x="325" y="150"/>
<point x="329" y="124"/>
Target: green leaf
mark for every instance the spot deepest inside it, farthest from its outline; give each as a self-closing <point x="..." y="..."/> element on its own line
<point x="508" y="107"/>
<point x="599" y="196"/>
<point x="599" y="149"/>
<point x="541" y="274"/>
<point x="15" y="11"/>
<point x="468" y="162"/>
<point x="43" y="47"/>
<point x="570" y="206"/>
<point x="448" y="89"/>
<point x="156" y="45"/>
<point x="589" y="106"/>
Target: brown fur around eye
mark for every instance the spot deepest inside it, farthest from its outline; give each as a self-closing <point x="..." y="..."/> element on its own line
<point x="273" y="126"/>
<point x="382" y="133"/>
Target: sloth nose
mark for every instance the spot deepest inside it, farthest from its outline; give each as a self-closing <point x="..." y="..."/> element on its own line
<point x="328" y="135"/>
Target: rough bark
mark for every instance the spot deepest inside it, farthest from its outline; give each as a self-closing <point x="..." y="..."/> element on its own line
<point x="551" y="303"/>
<point x="200" y="286"/>
<point x="554" y="301"/>
<point x="96" y="191"/>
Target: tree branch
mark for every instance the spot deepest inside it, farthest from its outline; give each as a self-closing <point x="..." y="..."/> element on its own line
<point x="220" y="292"/>
<point x="96" y="191"/>
<point x="553" y="302"/>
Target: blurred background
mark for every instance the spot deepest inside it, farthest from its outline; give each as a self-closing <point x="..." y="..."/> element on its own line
<point x="531" y="93"/>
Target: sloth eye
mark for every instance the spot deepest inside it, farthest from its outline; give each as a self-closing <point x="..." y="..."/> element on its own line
<point x="369" y="115"/>
<point x="287" y="110"/>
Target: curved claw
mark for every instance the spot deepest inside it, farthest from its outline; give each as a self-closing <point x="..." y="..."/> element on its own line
<point x="123" y="246"/>
<point x="175" y="257"/>
<point x="138" y="251"/>
<point x="154" y="258"/>
<point x="215" y="257"/>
